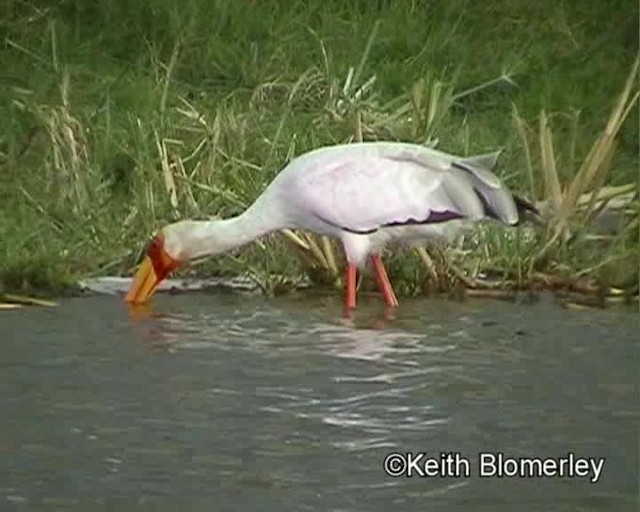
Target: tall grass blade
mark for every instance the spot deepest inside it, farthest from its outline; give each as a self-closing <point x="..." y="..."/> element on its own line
<point x="553" y="190"/>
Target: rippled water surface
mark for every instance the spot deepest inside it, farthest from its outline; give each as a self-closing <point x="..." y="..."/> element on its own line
<point x="232" y="402"/>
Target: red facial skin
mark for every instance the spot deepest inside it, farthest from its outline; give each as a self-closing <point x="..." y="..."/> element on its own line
<point x="163" y="264"/>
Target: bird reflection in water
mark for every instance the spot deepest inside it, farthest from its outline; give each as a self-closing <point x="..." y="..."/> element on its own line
<point x="159" y="331"/>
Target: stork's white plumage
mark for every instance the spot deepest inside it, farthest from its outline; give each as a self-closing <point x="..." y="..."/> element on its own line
<point x="364" y="194"/>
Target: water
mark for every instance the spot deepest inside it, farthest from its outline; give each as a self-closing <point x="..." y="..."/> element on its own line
<point x="234" y="402"/>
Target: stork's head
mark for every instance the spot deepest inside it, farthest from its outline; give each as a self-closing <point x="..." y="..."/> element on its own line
<point x="165" y="253"/>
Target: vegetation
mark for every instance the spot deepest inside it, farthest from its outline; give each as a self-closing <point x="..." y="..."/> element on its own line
<point x="120" y="116"/>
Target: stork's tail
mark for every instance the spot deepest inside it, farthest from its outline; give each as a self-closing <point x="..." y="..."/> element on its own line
<point x="526" y="210"/>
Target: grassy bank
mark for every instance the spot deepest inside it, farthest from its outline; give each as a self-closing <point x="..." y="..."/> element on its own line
<point x="118" y="117"/>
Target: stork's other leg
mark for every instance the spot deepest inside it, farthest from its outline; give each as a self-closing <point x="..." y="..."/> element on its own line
<point x="383" y="281"/>
<point x="350" y="296"/>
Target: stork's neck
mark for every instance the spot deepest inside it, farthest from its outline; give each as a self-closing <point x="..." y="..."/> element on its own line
<point x="217" y="236"/>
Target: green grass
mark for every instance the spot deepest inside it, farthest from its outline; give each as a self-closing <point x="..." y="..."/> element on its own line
<point x="107" y="107"/>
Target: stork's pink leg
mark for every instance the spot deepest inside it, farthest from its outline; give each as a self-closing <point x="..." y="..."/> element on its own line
<point x="350" y="297"/>
<point x="383" y="281"/>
